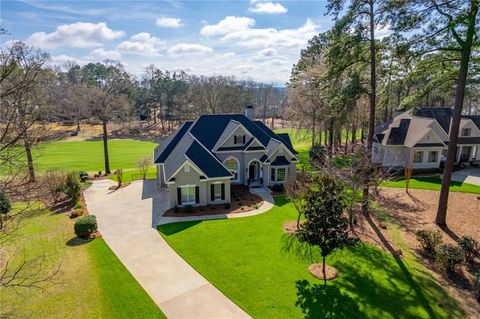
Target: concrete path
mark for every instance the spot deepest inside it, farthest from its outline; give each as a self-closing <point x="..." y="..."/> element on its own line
<point x="264" y="193"/>
<point x="470" y="175"/>
<point x="125" y="221"/>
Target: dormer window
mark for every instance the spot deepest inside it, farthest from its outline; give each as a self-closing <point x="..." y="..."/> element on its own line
<point x="466" y="131"/>
<point x="239" y="139"/>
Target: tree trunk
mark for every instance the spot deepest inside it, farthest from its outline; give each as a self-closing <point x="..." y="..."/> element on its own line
<point x="28" y="152"/>
<point x="330" y="138"/>
<point x="354" y="135"/>
<point x="373" y="97"/>
<point x="105" y="147"/>
<point x="441" y="218"/>
<point x="346" y="140"/>
<point x="323" y="271"/>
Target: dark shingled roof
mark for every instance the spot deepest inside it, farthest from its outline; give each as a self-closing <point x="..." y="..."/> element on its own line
<point x="232" y="148"/>
<point x="468" y="140"/>
<point x="475" y="119"/>
<point x="263" y="158"/>
<point x="442" y="115"/>
<point x="206" y="161"/>
<point x="428" y="145"/>
<point x="169" y="148"/>
<point x="280" y="161"/>
<point x="397" y="134"/>
<point x="208" y="128"/>
<point x="379" y="137"/>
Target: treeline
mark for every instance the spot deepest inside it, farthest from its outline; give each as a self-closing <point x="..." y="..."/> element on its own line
<point x="383" y="55"/>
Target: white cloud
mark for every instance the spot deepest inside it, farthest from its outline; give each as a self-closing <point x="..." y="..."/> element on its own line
<point x="141" y="43"/>
<point x="77" y="35"/>
<point x="271" y="37"/>
<point x="169" y="22"/>
<point x="267" y="52"/>
<point x="102" y="54"/>
<point x="188" y="48"/>
<point x="227" y="25"/>
<point x="268" y="8"/>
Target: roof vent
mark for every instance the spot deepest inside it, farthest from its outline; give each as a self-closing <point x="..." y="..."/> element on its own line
<point x="249" y="112"/>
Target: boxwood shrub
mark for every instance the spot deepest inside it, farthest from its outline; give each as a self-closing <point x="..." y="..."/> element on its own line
<point x="85" y="226"/>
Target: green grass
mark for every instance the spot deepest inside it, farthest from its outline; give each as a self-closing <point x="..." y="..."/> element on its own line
<point x="245" y="259"/>
<point x="130" y="175"/>
<point x="91" y="283"/>
<point x="432" y="183"/>
<point x="88" y="155"/>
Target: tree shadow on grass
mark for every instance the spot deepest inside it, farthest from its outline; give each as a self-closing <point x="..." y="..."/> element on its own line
<point x="76" y="241"/>
<point x="171" y="229"/>
<point x="325" y="301"/>
<point x="281" y="200"/>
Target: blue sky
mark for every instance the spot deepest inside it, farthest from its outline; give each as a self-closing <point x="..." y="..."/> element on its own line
<point x="256" y="39"/>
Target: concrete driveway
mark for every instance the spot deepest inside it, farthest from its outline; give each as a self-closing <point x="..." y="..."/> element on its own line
<point x="470" y="175"/>
<point x="125" y="220"/>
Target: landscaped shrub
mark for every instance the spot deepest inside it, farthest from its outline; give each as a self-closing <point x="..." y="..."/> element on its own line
<point x="448" y="256"/>
<point x="54" y="182"/>
<point x="85" y="226"/>
<point x="5" y="204"/>
<point x="83" y="176"/>
<point x="176" y="209"/>
<point x="227" y="206"/>
<point x="72" y="187"/>
<point x="188" y="209"/>
<point x="429" y="240"/>
<point x="470" y="248"/>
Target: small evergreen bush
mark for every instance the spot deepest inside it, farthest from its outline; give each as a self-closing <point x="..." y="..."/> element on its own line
<point x="227" y="206"/>
<point x="188" y="209"/>
<point x="448" y="256"/>
<point x="429" y="240"/>
<point x="5" y="204"/>
<point x="176" y="209"/>
<point x="85" y="226"/>
<point x="278" y="188"/>
<point x="470" y="248"/>
<point x="317" y="154"/>
<point x="72" y="187"/>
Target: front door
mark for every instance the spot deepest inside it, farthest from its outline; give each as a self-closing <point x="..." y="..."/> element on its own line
<point x="252" y="171"/>
<point x="465" y="154"/>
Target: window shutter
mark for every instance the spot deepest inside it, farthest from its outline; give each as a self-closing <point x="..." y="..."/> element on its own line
<point x="223" y="191"/>
<point x="197" y="194"/>
<point x="243" y="139"/>
<point x="272" y="175"/>
<point x="212" y="192"/>
<point x="179" y="196"/>
<point x="234" y="139"/>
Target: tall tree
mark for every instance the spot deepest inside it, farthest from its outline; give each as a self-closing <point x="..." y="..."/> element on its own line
<point x="444" y="26"/>
<point x="108" y="84"/>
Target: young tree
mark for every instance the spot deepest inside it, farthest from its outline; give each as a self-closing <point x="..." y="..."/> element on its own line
<point x="444" y="26"/>
<point x="143" y="165"/>
<point x="325" y="226"/>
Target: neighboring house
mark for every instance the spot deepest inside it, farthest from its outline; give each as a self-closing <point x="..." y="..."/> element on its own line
<point x="201" y="160"/>
<point x="419" y="139"/>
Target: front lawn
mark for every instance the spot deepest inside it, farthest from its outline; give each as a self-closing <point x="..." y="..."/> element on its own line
<point x="432" y="183"/>
<point x="91" y="283"/>
<point x="244" y="258"/>
<point x="88" y="155"/>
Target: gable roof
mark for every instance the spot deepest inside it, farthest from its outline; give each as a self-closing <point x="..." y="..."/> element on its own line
<point x="281" y="137"/>
<point x="206" y="161"/>
<point x="163" y="151"/>
<point x="398" y="134"/>
<point x="442" y="115"/>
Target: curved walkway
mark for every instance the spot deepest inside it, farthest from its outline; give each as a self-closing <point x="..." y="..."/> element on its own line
<point x="268" y="203"/>
<point x="125" y="221"/>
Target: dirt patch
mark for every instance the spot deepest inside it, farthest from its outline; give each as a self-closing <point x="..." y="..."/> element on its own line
<point x="241" y="201"/>
<point x="291" y="227"/>
<point x="417" y="210"/>
<point x="116" y="188"/>
<point x="317" y="272"/>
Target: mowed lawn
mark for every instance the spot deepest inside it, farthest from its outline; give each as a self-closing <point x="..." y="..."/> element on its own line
<point x="433" y="183"/>
<point x="245" y="259"/>
<point x="91" y="282"/>
<point x="88" y="155"/>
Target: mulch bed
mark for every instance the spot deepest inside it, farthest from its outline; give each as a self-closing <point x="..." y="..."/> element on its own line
<point x="241" y="201"/>
<point x="317" y="272"/>
<point x="290" y="227"/>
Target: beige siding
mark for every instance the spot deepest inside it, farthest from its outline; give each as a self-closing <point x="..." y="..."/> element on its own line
<point x="227" y="191"/>
<point x="187" y="178"/>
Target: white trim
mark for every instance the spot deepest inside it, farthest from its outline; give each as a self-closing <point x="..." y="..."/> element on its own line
<point x="238" y="168"/>
<point x="194" y="200"/>
<point x="259" y="168"/>
<point x="276" y="168"/>
<point x="225" y="139"/>
<point x="198" y="170"/>
<point x="286" y="148"/>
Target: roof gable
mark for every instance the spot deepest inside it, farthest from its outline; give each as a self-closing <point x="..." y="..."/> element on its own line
<point x="206" y="162"/>
<point x="164" y="149"/>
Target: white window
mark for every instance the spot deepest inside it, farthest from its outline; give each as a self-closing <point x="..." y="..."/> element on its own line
<point x="466" y="131"/>
<point x="239" y="139"/>
<point x="217" y="191"/>
<point x="232" y="166"/>
<point x="277" y="174"/>
<point x="418" y="157"/>
<point x="188" y="195"/>
<point x="432" y="156"/>
<point x="186" y="169"/>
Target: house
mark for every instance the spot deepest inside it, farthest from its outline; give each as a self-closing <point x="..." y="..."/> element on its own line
<point x="200" y="161"/>
<point x="419" y="139"/>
